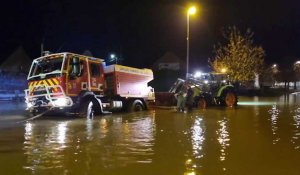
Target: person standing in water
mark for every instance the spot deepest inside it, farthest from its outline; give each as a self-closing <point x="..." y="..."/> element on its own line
<point x="189" y="98"/>
<point x="180" y="96"/>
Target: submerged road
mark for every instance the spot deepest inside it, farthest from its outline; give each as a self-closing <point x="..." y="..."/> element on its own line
<point x="261" y="136"/>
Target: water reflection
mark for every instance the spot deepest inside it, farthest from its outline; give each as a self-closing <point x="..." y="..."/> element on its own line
<point x="223" y="138"/>
<point x="189" y="167"/>
<point x="244" y="140"/>
<point x="134" y="137"/>
<point x="197" y="138"/>
<point x="290" y="99"/>
<point x="61" y="134"/>
<point x="103" y="128"/>
<point x="89" y="129"/>
<point x="256" y="107"/>
<point x="296" y="132"/>
<point x="297" y="118"/>
<point x="44" y="147"/>
<point x="274" y="111"/>
<point x="75" y="145"/>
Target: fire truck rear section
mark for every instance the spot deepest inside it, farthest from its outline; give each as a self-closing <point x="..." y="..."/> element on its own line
<point x="81" y="85"/>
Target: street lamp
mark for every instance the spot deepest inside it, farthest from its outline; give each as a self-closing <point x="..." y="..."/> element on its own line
<point x="113" y="57"/>
<point x="223" y="70"/>
<point x="191" y="11"/>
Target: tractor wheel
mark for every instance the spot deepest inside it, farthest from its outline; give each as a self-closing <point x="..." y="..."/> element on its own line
<point x="202" y="103"/>
<point x="87" y="109"/>
<point x="136" y="105"/>
<point x="229" y="99"/>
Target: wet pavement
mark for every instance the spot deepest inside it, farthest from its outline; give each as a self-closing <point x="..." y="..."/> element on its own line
<point x="261" y="136"/>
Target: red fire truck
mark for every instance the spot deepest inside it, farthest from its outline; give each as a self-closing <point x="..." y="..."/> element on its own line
<point x="82" y="85"/>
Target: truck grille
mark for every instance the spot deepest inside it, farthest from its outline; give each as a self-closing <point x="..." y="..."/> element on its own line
<point x="39" y="92"/>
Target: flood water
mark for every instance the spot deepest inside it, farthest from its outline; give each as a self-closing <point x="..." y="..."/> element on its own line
<point x="259" y="137"/>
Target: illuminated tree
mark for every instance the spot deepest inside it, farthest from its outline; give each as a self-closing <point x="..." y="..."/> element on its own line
<point x="270" y="75"/>
<point x="238" y="56"/>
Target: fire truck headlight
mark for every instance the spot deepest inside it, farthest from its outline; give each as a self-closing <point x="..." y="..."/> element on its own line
<point x="61" y="102"/>
<point x="29" y="104"/>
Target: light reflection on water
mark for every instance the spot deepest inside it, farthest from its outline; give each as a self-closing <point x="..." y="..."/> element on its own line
<point x="120" y="140"/>
<point x="198" y="138"/>
<point x="296" y="133"/>
<point x="223" y="138"/>
<point x="44" y="150"/>
<point x="274" y="112"/>
<point x="297" y="118"/>
<point x="251" y="139"/>
<point x="255" y="103"/>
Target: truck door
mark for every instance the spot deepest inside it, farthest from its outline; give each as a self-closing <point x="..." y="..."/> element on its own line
<point x="96" y="77"/>
<point x="77" y="79"/>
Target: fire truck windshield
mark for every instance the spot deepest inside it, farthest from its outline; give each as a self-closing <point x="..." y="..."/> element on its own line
<point x="43" y="68"/>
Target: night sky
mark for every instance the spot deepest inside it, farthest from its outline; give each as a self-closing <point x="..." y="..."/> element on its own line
<point x="141" y="31"/>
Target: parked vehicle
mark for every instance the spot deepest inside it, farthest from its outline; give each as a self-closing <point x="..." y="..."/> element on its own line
<point x="209" y="89"/>
<point x="82" y="85"/>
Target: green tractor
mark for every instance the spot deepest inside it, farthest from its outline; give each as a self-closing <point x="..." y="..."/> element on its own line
<point x="209" y="89"/>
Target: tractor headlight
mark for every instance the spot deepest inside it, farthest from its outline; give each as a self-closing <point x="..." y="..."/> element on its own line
<point x="61" y="102"/>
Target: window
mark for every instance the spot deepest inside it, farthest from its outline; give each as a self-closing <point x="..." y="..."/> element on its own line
<point x="76" y="67"/>
<point x="47" y="66"/>
<point x="95" y="69"/>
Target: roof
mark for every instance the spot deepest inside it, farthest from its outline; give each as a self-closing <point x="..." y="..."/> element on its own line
<point x="168" y="57"/>
<point x="17" y="61"/>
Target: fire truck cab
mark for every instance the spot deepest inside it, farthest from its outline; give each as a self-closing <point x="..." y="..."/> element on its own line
<point x="83" y="85"/>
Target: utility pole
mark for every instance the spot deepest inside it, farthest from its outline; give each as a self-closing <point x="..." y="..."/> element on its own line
<point x="42" y="48"/>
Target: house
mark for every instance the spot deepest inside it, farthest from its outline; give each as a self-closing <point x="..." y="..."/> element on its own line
<point x="13" y="72"/>
<point x="17" y="62"/>
<point x="166" y="70"/>
<point x="169" y="61"/>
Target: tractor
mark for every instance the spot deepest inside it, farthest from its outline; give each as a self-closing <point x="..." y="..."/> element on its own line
<point x="209" y="89"/>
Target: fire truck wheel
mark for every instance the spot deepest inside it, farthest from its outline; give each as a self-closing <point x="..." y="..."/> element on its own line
<point x="87" y="109"/>
<point x="136" y="105"/>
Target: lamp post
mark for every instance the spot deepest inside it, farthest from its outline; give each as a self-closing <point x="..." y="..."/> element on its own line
<point x="114" y="57"/>
<point x="223" y="70"/>
<point x="191" y="11"/>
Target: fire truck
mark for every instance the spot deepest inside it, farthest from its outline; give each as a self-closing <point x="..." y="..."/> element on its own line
<point x="81" y="85"/>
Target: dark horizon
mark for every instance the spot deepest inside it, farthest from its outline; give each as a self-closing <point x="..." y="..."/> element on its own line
<point x="143" y="31"/>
